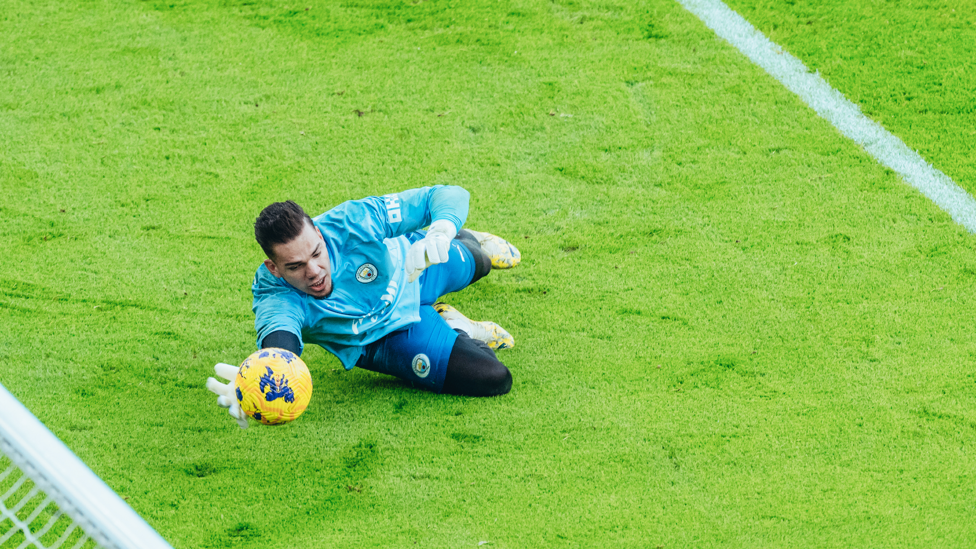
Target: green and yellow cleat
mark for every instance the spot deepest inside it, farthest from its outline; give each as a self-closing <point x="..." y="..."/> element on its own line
<point x="492" y="334"/>
<point x="503" y="255"/>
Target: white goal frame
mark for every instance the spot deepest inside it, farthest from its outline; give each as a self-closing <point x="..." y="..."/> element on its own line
<point x="78" y="492"/>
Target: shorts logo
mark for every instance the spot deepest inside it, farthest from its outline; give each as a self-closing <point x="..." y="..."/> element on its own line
<point x="421" y="365"/>
<point x="366" y="273"/>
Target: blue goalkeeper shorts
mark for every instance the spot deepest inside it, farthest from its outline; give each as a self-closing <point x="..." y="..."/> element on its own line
<point x="419" y="353"/>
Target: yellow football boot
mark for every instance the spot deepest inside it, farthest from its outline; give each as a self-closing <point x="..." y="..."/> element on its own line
<point x="492" y="334"/>
<point x="503" y="255"/>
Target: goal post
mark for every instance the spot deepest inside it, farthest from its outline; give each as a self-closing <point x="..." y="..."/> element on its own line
<point x="49" y="498"/>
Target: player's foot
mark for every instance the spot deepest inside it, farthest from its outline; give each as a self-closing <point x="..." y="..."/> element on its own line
<point x="492" y="334"/>
<point x="503" y="255"/>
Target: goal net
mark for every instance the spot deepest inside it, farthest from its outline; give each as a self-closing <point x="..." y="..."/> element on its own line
<point x="49" y="498"/>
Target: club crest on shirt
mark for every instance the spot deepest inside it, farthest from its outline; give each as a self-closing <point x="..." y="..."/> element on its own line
<point x="421" y="365"/>
<point x="366" y="273"/>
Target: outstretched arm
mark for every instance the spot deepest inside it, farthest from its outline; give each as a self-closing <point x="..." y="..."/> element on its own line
<point x="283" y="339"/>
<point x="278" y="318"/>
<point x="226" y="392"/>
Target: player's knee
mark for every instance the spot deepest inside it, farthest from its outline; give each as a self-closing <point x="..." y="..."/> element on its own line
<point x="477" y="374"/>
<point x="494" y="378"/>
<point x="498" y="381"/>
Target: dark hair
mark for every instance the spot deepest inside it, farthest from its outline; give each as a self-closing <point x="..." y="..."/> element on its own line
<point x="279" y="223"/>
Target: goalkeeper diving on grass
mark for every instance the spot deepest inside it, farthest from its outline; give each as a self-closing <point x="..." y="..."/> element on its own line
<point x="362" y="280"/>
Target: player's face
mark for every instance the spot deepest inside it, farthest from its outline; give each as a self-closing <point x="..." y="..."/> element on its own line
<point x="304" y="263"/>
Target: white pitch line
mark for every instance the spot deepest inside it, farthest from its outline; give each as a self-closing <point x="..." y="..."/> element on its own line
<point x="836" y="109"/>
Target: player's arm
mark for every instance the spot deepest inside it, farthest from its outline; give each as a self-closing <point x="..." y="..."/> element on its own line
<point x="414" y="209"/>
<point x="283" y="339"/>
<point x="279" y="314"/>
<point x="444" y="208"/>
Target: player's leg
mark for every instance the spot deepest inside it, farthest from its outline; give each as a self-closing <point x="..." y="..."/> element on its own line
<point x="428" y="353"/>
<point x="474" y="370"/>
<point x="465" y="265"/>
<point x="481" y="259"/>
<point x="500" y="251"/>
<point x="485" y="331"/>
<point x="467" y="262"/>
<point x="472" y="256"/>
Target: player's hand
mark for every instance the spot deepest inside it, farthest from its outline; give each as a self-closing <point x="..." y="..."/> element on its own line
<point x="430" y="250"/>
<point x="227" y="393"/>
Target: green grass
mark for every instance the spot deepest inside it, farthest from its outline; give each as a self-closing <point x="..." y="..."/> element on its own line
<point x="733" y="327"/>
<point x="908" y="65"/>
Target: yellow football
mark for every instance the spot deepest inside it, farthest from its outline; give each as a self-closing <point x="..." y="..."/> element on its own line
<point x="273" y="386"/>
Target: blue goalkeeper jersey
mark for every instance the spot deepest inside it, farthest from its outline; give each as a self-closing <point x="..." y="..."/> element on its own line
<point x="370" y="294"/>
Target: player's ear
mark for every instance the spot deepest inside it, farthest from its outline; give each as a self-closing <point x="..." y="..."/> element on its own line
<point x="272" y="267"/>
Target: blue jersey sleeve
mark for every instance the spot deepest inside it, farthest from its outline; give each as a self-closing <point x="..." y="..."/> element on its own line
<point x="276" y="307"/>
<point x="395" y="214"/>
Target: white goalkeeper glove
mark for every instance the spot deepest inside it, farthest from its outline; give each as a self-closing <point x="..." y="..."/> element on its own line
<point x="227" y="392"/>
<point x="430" y="250"/>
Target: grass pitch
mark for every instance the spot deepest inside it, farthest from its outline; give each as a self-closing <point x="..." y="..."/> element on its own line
<point x="907" y="65"/>
<point x="733" y="327"/>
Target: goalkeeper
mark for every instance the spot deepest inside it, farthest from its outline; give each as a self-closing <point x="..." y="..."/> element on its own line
<point x="362" y="280"/>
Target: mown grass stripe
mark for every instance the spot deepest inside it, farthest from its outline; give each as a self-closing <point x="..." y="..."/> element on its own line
<point x="831" y="105"/>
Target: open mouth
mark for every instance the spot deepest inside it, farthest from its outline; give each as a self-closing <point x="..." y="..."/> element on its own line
<point x="319" y="285"/>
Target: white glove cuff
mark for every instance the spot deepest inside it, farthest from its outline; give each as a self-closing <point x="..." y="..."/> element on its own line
<point x="444" y="227"/>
